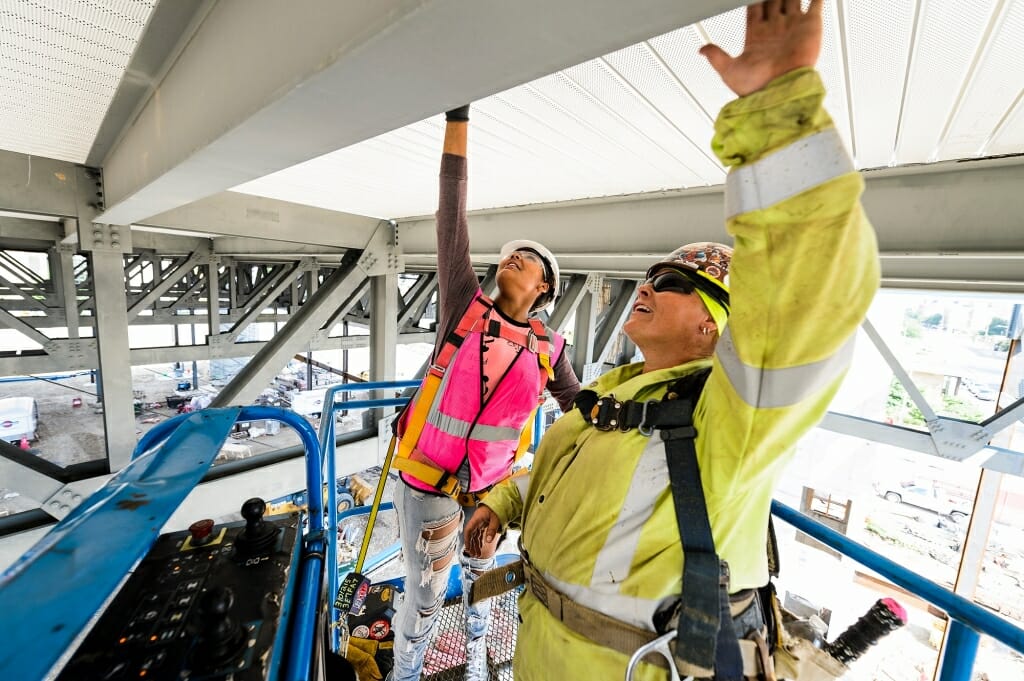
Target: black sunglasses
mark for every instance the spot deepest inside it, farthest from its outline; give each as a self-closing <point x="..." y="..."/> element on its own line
<point x="674" y="280"/>
<point x="669" y="280"/>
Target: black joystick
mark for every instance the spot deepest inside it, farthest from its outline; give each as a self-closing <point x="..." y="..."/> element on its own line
<point x="221" y="639"/>
<point x="258" y="536"/>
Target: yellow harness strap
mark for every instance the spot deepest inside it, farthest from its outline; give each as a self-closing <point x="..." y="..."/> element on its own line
<point x="418" y="417"/>
<point x="544" y="347"/>
<point x="376" y="506"/>
<point x="438" y="478"/>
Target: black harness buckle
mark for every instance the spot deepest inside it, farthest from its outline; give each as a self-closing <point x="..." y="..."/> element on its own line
<point x="605" y="414"/>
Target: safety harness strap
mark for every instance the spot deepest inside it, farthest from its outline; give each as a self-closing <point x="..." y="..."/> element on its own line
<point x="441" y="480"/>
<point x="704" y="632"/>
<point x="705" y="635"/>
<point x="544" y="347"/>
<point x="609" y="413"/>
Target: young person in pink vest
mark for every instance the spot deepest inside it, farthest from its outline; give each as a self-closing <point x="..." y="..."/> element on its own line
<point x="470" y="418"/>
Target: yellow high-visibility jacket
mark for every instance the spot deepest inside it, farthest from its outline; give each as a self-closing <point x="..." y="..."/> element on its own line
<point x="596" y="511"/>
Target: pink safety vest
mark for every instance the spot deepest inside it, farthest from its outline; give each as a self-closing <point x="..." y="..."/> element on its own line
<point x="460" y="424"/>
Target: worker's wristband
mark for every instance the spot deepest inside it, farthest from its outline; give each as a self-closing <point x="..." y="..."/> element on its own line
<point x="460" y="114"/>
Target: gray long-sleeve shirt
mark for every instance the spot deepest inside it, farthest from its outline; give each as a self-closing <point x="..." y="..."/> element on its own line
<point x="457" y="282"/>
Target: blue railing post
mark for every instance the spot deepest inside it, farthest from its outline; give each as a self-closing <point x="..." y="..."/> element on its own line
<point x="959" y="652"/>
<point x="329" y="451"/>
<point x="538" y="426"/>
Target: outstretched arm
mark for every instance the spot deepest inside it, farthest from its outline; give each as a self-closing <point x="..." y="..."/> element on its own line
<point x="457" y="282"/>
<point x="804" y="271"/>
<point x="779" y="39"/>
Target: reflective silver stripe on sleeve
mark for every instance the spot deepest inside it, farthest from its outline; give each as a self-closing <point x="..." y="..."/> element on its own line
<point x="802" y="165"/>
<point x="771" y="388"/>
<point x="611" y="567"/>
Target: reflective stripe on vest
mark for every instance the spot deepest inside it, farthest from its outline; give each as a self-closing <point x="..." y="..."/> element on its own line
<point x="612" y="565"/>
<point x="802" y="165"/>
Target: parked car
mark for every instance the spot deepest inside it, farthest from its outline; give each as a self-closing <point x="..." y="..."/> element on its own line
<point x="924" y="495"/>
<point x="19" y="418"/>
<point x="985" y="392"/>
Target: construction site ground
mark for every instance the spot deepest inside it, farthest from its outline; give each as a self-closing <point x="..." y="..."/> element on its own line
<point x="71" y="430"/>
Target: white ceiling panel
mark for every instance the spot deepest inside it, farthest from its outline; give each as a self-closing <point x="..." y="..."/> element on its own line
<point x="994" y="87"/>
<point x="637" y="120"/>
<point x="908" y="82"/>
<point x="832" y="67"/>
<point x="948" y="35"/>
<point x="1009" y="138"/>
<point x="878" y="36"/>
<point x="60" y="63"/>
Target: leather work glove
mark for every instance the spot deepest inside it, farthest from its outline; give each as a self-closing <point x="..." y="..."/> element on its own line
<point x="459" y="114"/>
<point x="362" y="653"/>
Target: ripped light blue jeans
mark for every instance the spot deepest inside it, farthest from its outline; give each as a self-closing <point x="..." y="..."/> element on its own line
<point x="431" y="533"/>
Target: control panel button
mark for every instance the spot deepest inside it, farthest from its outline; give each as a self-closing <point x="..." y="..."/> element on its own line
<point x="201" y="531"/>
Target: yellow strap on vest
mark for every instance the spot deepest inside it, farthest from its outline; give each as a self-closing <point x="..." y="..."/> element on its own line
<point x="526" y="437"/>
<point x="418" y="417"/>
<point x="436" y="477"/>
<point x="544" y="353"/>
<point x="441" y="480"/>
<point x="376" y="506"/>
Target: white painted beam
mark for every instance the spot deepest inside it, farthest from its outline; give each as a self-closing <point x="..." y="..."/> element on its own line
<point x="232" y="214"/>
<point x="33" y="184"/>
<point x="264" y="84"/>
<point x="953" y="226"/>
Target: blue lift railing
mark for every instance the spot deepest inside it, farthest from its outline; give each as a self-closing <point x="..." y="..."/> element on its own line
<point x="328" y="448"/>
<point x="967" y="620"/>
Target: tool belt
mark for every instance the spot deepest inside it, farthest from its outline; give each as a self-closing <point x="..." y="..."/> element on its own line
<point x="609" y="632"/>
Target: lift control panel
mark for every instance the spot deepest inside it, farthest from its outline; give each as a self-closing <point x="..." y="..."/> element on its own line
<point x="206" y="603"/>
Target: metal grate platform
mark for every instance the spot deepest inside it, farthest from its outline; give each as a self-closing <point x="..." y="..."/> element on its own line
<point x="445" y="659"/>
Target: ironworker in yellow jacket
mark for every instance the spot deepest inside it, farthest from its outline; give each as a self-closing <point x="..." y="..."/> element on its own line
<point x="774" y="321"/>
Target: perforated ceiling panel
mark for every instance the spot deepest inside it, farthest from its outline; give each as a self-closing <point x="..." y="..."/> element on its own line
<point x="907" y="82"/>
<point x="993" y="93"/>
<point x="60" y="63"/>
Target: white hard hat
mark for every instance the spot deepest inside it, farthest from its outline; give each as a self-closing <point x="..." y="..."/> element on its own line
<point x="548" y="299"/>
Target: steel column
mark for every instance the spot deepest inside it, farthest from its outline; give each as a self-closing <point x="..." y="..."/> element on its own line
<point x="612" y="320"/>
<point x="585" y="334"/>
<point x="383" y="334"/>
<point x="68" y="287"/>
<point x="114" y="356"/>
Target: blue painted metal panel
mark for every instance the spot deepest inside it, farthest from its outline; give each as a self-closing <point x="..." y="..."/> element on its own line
<point x="53" y="591"/>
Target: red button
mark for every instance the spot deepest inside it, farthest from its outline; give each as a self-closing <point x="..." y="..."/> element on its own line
<point x="200" y="530"/>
